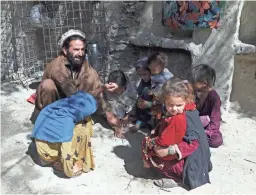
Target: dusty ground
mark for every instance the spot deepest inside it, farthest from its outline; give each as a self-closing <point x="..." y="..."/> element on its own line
<point x="118" y="162"/>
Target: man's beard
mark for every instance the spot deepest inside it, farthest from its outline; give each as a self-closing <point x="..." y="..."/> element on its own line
<point x="75" y="61"/>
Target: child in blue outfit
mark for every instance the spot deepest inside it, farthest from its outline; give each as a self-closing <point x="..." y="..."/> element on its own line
<point x="150" y="97"/>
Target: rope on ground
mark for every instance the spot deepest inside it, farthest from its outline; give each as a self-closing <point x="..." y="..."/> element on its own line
<point x="250" y="161"/>
<point x="129" y="184"/>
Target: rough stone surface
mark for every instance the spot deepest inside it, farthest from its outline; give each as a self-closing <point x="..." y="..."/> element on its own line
<point x="122" y="18"/>
<point x="7" y="60"/>
<point x="247" y="29"/>
<point x="21" y="47"/>
<point x="150" y="40"/>
<point x="243" y="48"/>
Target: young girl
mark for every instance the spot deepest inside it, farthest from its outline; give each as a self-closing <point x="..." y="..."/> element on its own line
<point x="208" y="103"/>
<point x="178" y="98"/>
<point x="159" y="74"/>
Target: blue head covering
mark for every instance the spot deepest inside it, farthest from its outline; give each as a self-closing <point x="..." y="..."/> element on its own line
<point x="56" y="122"/>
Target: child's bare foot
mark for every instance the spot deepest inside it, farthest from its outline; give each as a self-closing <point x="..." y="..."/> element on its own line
<point x="134" y="128"/>
<point x="119" y="133"/>
<point x="146" y="164"/>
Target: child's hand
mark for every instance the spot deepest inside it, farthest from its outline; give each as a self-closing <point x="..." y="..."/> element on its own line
<point x="112" y="119"/>
<point x="150" y="92"/>
<point x="160" y="151"/>
<point x="111" y="87"/>
<point x="151" y="144"/>
<point x="164" y="151"/>
<point x="119" y="132"/>
<point x="152" y="131"/>
<point x="146" y="164"/>
<point x="125" y="121"/>
<point x="143" y="104"/>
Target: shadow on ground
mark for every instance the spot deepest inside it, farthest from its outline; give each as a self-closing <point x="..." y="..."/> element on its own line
<point x="34" y="156"/>
<point x="133" y="159"/>
<point x="130" y="154"/>
<point x="243" y="113"/>
<point x="34" y="85"/>
<point x="97" y="118"/>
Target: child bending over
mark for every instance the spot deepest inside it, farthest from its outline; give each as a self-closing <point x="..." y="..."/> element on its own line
<point x="117" y="102"/>
<point x="178" y="97"/>
<point x="208" y="102"/>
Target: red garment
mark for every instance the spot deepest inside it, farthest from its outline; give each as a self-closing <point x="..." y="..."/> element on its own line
<point x="174" y="168"/>
<point x="32" y="98"/>
<point x="169" y="131"/>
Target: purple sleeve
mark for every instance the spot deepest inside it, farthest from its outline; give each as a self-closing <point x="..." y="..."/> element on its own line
<point x="215" y="114"/>
<point x="205" y="120"/>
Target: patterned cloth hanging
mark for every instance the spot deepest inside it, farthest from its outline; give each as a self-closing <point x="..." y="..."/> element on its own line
<point x="189" y="15"/>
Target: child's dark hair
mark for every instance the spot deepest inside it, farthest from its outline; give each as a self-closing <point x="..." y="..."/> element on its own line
<point x="118" y="77"/>
<point x="203" y="73"/>
<point x="158" y="57"/>
<point x="142" y="63"/>
<point x="179" y="88"/>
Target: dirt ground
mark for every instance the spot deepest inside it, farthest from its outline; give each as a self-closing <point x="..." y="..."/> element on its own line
<point x="118" y="162"/>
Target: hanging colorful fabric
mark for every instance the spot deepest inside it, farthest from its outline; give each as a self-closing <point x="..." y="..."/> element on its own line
<point x="189" y="15"/>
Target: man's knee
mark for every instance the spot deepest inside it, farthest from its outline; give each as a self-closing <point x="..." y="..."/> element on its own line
<point x="47" y="93"/>
<point x="48" y="85"/>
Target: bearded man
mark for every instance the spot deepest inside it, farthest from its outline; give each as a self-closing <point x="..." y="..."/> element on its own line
<point x="69" y="73"/>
